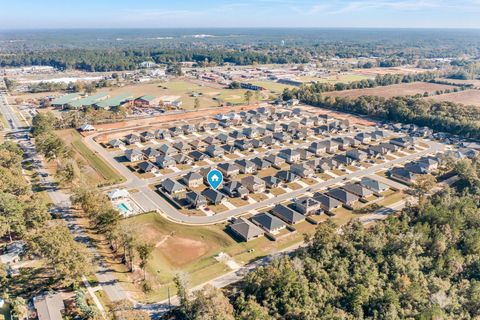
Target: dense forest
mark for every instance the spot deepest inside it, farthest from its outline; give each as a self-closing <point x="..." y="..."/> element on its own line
<point x="423" y="263"/>
<point x="110" y="50"/>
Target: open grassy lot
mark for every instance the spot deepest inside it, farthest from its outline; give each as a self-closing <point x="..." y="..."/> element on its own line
<point x="343" y="78"/>
<point x="392" y="70"/>
<point x="403" y="89"/>
<point x="272" y="86"/>
<point x="97" y="170"/>
<point x="467" y="97"/>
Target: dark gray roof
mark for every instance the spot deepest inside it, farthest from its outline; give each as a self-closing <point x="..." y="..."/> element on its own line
<point x="171" y="185"/>
<point x="246" y="229"/>
<point x="213" y="195"/>
<point x="327" y="203"/>
<point x="373" y="184"/>
<point x="286" y="214"/>
<point x="357" y="189"/>
<point x="342" y="195"/>
<point x="146" y="166"/>
<point x="268" y="221"/>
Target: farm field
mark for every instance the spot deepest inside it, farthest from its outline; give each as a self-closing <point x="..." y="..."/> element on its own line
<point x="402" y="89"/>
<point x="467" y="97"/>
<point x="97" y="170"/>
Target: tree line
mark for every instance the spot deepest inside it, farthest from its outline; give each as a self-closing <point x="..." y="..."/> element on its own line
<point x="441" y="116"/>
<point x="420" y="264"/>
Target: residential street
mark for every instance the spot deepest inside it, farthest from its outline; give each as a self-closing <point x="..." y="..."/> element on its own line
<point x="62" y="205"/>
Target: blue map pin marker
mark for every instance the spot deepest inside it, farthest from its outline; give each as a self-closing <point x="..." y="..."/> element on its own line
<point x="214" y="178"/>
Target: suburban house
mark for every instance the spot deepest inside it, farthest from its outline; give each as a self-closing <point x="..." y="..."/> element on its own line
<point x="343" y="196"/>
<point x="290" y="155"/>
<point x="131" y="138"/>
<point x="197" y="155"/>
<point x="188" y="129"/>
<point x="256" y="143"/>
<point x="165" y="162"/>
<point x="403" y="175"/>
<point x="118" y="194"/>
<point x="245" y="229"/>
<point x="305" y="154"/>
<point x="147" y="167"/>
<point x="274" y="127"/>
<point x="429" y="163"/>
<point x="182" y="146"/>
<point x="251" y="132"/>
<point x="282" y="136"/>
<point x="146" y="136"/>
<point x="229" y="169"/>
<point x="242" y="144"/>
<point x="180" y="158"/>
<point x="271" y="182"/>
<point x="287" y="176"/>
<point x="390" y="147"/>
<point x="210" y="140"/>
<point x="269" y="223"/>
<point x="332" y="146"/>
<point x="171" y="186"/>
<point x="197" y="144"/>
<point x="151" y="153"/>
<point x="167" y="150"/>
<point x="49" y="306"/>
<point x="193" y="179"/>
<point x="115" y="143"/>
<point x="213" y="196"/>
<point x="234" y="189"/>
<point x="269" y="141"/>
<point x="162" y="134"/>
<point x="364" y="137"/>
<point x="416" y="168"/>
<point x="357" y="189"/>
<point x="288" y="215"/>
<point x="133" y="155"/>
<point x="195" y="199"/>
<point x="175" y="131"/>
<point x="261" y="163"/>
<point x="224" y="138"/>
<point x="214" y="151"/>
<point x="246" y="166"/>
<point x="302" y="170"/>
<point x="318" y="147"/>
<point x="327" y="203"/>
<point x="374" y="185"/>
<point x="228" y="148"/>
<point x="307" y="205"/>
<point x="404" y="142"/>
<point x="344" y="142"/>
<point x="343" y="159"/>
<point x="254" y="184"/>
<point x="357" y="154"/>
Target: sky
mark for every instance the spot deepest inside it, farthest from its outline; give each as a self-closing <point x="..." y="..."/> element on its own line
<point x="33" y="14"/>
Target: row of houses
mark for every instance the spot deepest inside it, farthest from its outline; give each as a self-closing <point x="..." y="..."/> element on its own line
<point x="282" y="215"/>
<point x="410" y="171"/>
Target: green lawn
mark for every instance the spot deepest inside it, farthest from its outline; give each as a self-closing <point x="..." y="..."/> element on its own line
<point x="272" y="86"/>
<point x="109" y="175"/>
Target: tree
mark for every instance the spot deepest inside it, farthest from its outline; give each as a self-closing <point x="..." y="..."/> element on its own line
<point x="67" y="172"/>
<point x="423" y="185"/>
<point x="234" y="85"/>
<point x="248" y="96"/>
<point x="197" y="103"/>
<point x="144" y="251"/>
<point x="19" y="308"/>
<point x="124" y="310"/>
<point x="12" y="220"/>
<point x="68" y="258"/>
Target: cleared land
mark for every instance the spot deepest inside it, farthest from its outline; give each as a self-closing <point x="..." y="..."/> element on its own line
<point x="402" y="89"/>
<point x="97" y="170"/>
<point x="340" y="78"/>
<point x="467" y="97"/>
<point x="392" y="70"/>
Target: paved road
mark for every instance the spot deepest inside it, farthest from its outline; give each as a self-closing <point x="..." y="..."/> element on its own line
<point x="62" y="205"/>
<point x="154" y="201"/>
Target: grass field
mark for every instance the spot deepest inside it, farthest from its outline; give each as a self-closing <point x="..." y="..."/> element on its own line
<point x="273" y="86"/>
<point x="97" y="170"/>
<point x="467" y="97"/>
<point x="403" y="89"/>
<point x="343" y="78"/>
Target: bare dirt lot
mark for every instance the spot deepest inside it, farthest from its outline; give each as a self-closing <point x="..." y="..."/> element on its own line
<point x="467" y="97"/>
<point x="393" y="70"/>
<point x="402" y="89"/>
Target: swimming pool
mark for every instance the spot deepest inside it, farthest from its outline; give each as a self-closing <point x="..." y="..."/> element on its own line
<point x="123" y="208"/>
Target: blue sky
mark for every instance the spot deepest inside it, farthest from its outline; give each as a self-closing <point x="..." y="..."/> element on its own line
<point x="27" y="14"/>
